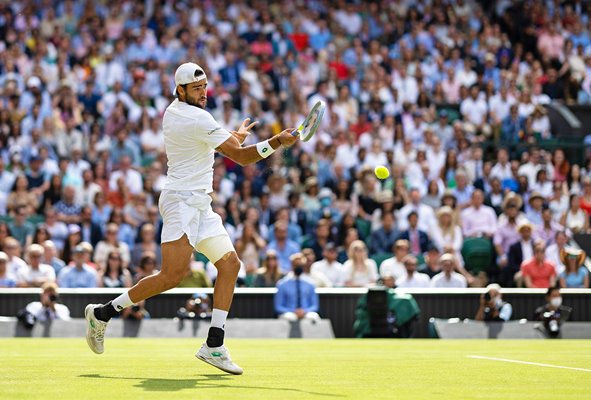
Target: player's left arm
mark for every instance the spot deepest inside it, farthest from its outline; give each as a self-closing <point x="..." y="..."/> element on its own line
<point x="233" y="149"/>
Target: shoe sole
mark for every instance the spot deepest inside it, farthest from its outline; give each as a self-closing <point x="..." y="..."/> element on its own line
<point x="88" y="339"/>
<point x="205" y="360"/>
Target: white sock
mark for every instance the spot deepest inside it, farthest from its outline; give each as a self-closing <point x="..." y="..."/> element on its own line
<point x="218" y="318"/>
<point x="122" y="302"/>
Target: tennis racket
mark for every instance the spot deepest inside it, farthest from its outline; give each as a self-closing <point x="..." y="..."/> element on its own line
<point x="308" y="128"/>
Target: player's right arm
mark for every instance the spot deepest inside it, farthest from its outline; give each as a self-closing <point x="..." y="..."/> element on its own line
<point x="234" y="150"/>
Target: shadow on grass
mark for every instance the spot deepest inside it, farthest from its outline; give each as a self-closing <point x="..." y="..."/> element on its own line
<point x="209" y="381"/>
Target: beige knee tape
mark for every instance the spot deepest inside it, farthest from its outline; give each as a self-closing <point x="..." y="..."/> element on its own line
<point x="216" y="248"/>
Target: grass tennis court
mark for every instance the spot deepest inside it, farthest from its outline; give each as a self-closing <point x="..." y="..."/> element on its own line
<point x="64" y="369"/>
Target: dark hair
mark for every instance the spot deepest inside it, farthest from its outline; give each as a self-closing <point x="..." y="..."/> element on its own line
<point x="552" y="289"/>
<point x="571" y="198"/>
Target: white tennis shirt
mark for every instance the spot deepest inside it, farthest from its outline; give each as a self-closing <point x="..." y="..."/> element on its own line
<point x="191" y="135"/>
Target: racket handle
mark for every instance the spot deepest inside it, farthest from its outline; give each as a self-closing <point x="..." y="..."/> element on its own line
<point x="297" y="131"/>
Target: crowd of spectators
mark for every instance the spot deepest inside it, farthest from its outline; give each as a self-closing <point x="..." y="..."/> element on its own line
<point x="419" y="86"/>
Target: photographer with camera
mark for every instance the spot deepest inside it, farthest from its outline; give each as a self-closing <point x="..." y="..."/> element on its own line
<point x="552" y="314"/>
<point x="47" y="309"/>
<point x="136" y="312"/>
<point x="492" y="307"/>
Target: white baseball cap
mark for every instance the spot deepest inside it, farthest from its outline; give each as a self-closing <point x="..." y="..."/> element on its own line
<point x="188" y="73"/>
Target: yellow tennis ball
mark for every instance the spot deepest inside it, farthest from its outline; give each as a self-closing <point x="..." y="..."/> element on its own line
<point x="382" y="172"/>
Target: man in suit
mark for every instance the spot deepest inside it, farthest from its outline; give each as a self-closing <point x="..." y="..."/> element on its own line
<point x="518" y="251"/>
<point x="91" y="232"/>
<point x="419" y="240"/>
<point x="383" y="239"/>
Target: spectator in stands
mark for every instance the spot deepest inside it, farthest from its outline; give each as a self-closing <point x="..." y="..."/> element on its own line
<point x="446" y="235"/>
<point x="463" y="190"/>
<point x="126" y="232"/>
<point x="147" y="267"/>
<point x="448" y="278"/>
<point x="360" y="271"/>
<point x="330" y="267"/>
<point x="109" y="244"/>
<point x="575" y="219"/>
<point x="576" y="274"/>
<point x="131" y="178"/>
<point x="494" y="198"/>
<point x="418" y="240"/>
<point x="48" y="308"/>
<point x="7" y="178"/>
<point x="316" y="277"/>
<point x="20" y="195"/>
<point x="426" y="215"/>
<point x="13" y="249"/>
<point x="101" y="211"/>
<point x="67" y="210"/>
<point x="474" y="109"/>
<point x="7" y="280"/>
<point x="79" y="274"/>
<point x="547" y="231"/>
<point x="512" y="126"/>
<point x="519" y="252"/>
<point x="479" y="220"/>
<point x="196" y="276"/>
<point x="57" y="229"/>
<point x="147" y="242"/>
<point x="74" y="238"/>
<point x="537" y="272"/>
<point x="90" y="232"/>
<point x="115" y="275"/>
<point x="36" y="274"/>
<point x="283" y="247"/>
<point x="507" y="233"/>
<point x="269" y="274"/>
<point x="296" y="297"/>
<point x="554" y="251"/>
<point x="21" y="229"/>
<point x="431" y="266"/>
<point x="492" y="307"/>
<point x="502" y="168"/>
<point x="394" y="266"/>
<point x="321" y="237"/>
<point x="50" y="257"/>
<point x="413" y="279"/>
<point x="534" y="212"/>
<point x="382" y="239"/>
<point x="41" y="234"/>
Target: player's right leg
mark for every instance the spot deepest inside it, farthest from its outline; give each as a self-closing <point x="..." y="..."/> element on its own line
<point x="176" y="256"/>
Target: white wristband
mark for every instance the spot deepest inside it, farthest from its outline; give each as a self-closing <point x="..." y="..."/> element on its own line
<point x="264" y="149"/>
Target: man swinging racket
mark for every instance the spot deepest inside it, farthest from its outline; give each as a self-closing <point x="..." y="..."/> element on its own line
<point x="191" y="137"/>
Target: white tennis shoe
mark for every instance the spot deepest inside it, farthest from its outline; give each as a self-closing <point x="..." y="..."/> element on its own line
<point x="219" y="357"/>
<point x="95" y="330"/>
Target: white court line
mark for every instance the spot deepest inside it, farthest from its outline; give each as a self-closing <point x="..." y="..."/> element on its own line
<point x="529" y="363"/>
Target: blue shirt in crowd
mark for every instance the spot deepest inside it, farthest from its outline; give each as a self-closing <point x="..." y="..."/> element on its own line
<point x="288" y="300"/>
<point x="72" y="277"/>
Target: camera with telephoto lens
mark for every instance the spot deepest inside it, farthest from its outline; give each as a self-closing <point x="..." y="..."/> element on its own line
<point x="26" y="318"/>
<point x="135" y="308"/>
<point x="552" y="323"/>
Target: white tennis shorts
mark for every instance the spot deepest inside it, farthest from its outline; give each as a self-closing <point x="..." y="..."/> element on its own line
<point x="189" y="212"/>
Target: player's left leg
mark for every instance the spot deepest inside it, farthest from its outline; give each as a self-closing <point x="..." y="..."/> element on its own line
<point x="220" y="251"/>
<point x="175" y="261"/>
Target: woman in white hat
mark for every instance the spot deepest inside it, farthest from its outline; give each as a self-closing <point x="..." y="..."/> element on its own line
<point x="576" y="274"/>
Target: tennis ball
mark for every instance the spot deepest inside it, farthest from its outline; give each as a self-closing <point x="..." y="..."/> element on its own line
<point x="382" y="172"/>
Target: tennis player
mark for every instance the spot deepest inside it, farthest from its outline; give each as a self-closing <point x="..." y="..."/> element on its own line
<point x="191" y="136"/>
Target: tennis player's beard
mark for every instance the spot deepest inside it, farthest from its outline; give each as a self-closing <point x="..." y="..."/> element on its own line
<point x="197" y="103"/>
